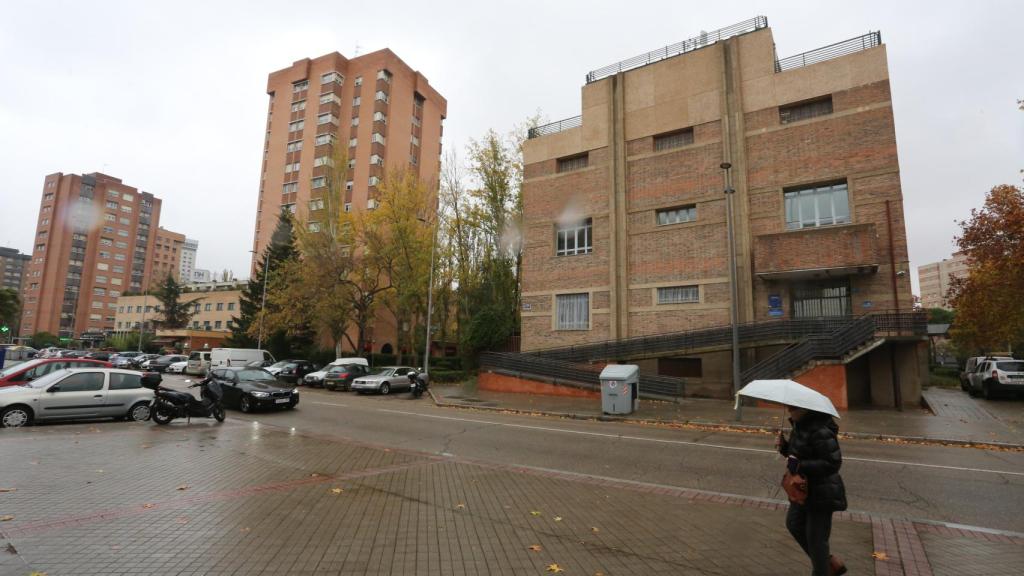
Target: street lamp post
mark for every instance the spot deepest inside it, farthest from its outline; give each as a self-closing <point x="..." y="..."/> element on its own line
<point x="142" y="325"/>
<point x="263" y="301"/>
<point x="734" y="299"/>
<point x="430" y="296"/>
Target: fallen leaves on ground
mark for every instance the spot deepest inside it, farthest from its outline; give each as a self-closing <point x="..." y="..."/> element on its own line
<point x="555" y="568"/>
<point x="535" y="548"/>
<point x="460" y="506"/>
<point x="37" y="574"/>
<point x="534" y="512"/>
<point x="557" y="518"/>
<point x="8" y="489"/>
<point x="879" y="555"/>
<point x="246" y="529"/>
<point x="595" y="529"/>
<point x="337" y="490"/>
<point x="314" y="475"/>
<point x="144" y="446"/>
<point x="183" y="487"/>
<point x="148" y="505"/>
<point x="6" y="518"/>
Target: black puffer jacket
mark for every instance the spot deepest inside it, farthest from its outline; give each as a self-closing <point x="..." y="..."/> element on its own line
<point x="815" y="445"/>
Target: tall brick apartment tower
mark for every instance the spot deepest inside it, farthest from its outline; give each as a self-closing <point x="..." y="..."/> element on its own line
<point x="92" y="243"/>
<point x="383" y="111"/>
<point x="626" y="217"/>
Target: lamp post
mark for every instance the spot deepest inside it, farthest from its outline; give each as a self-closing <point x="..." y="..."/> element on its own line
<point x="142" y="325"/>
<point x="734" y="299"/>
<point x="430" y="295"/>
<point x="263" y="301"/>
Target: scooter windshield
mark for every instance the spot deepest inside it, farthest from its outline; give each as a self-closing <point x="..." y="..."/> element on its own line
<point x="213" y="390"/>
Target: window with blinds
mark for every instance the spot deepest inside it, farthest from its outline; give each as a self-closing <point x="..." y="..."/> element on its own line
<point x="804" y="110"/>
<point x="571" y="163"/>
<point x="678" y="295"/>
<point x="573" y="311"/>
<point x="676" y="139"/>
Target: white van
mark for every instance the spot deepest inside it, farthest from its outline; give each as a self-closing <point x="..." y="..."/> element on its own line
<point x="226" y="357"/>
<point x="317" y="378"/>
<point x="198" y="362"/>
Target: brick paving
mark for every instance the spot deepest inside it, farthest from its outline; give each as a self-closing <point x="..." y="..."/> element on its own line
<point x="243" y="499"/>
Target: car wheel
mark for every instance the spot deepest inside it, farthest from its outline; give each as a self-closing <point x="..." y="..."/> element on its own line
<point x="16" y="417"/>
<point x="245" y="404"/>
<point x="385" y="388"/>
<point x="139" y="412"/>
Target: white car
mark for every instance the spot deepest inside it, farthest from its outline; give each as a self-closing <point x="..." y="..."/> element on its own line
<point x="317" y="378"/>
<point x="994" y="377"/>
<point x="177" y="367"/>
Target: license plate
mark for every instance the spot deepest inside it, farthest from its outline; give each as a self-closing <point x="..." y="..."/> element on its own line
<point x="281" y="401"/>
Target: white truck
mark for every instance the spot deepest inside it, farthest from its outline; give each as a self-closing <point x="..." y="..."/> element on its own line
<point x="226" y="357"/>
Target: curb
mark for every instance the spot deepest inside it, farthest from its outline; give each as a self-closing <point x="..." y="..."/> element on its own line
<point x="709" y="424"/>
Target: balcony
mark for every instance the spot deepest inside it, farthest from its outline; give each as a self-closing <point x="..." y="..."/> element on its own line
<point x="825" y="251"/>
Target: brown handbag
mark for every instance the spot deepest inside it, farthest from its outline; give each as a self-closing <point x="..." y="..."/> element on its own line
<point x="795" y="486"/>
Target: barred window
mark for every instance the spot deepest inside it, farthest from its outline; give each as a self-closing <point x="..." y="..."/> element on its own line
<point x="573" y="311"/>
<point x="676" y="215"/>
<point x="676" y="139"/>
<point x="804" y="110"/>
<point x="571" y="163"/>
<point x="574" y="238"/>
<point x="678" y="295"/>
<point x="817" y="206"/>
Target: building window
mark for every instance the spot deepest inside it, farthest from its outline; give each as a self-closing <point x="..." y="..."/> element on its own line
<point x="296" y="126"/>
<point x="356" y="101"/>
<point x="371" y="204"/>
<point x="380" y="117"/>
<point x="289" y="207"/>
<point x="415" y="141"/>
<point x="195" y="324"/>
<point x="817" y="206"/>
<point x="112" y="205"/>
<point x="293" y="167"/>
<point x="207" y="307"/>
<point x="110" y="217"/>
<point x="355" y="120"/>
<point x="290" y="187"/>
<point x="348" y="186"/>
<point x="101" y="279"/>
<point x="804" y="110"/>
<point x="314" y="226"/>
<point x="294" y="146"/>
<point x="351" y="163"/>
<point x="126" y="209"/>
<point x="300" y="86"/>
<point x="318" y="182"/>
<point x="231" y="306"/>
<point x="326" y="119"/>
<point x="574" y="239"/>
<point x="323" y="161"/>
<point x="352" y="142"/>
<point x="377" y="138"/>
<point x="331" y="77"/>
<point x="373" y="181"/>
<point x="359" y="81"/>
<point x="348" y="207"/>
<point x="217" y="324"/>
<point x="676" y="139"/>
<point x="220" y="306"/>
<point x="122" y="233"/>
<point x="316" y="204"/>
<point x="324" y="140"/>
<point x="676" y="215"/>
<point x="298" y="106"/>
<point x="571" y="163"/>
<point x="573" y="311"/>
<point x="382" y="96"/>
<point x="376" y="160"/>
<point x="384" y="75"/>
<point x="678" y="295"/>
<point x="125" y="221"/>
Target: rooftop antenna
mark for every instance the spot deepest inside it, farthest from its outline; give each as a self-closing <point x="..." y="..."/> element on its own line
<point x="358" y="47"/>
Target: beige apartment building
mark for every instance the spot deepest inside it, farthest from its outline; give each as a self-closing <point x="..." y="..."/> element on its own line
<point x="625" y="206"/>
<point x="213" y="310"/>
<point x="93" y="242"/>
<point x="167" y="255"/>
<point x="385" y="114"/>
<point x="936" y="278"/>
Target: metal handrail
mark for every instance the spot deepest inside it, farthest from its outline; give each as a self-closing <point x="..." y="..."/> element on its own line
<point x="697" y="42"/>
<point x="555" y="127"/>
<point x="857" y="44"/>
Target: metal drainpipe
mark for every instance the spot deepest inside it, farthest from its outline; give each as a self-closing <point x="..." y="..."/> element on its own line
<point x="897" y="390"/>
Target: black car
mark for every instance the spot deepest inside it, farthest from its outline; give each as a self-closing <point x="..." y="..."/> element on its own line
<point x="160" y="364"/>
<point x="295" y="370"/>
<point x="341" y="377"/>
<point x="99" y="355"/>
<point x="249" y="389"/>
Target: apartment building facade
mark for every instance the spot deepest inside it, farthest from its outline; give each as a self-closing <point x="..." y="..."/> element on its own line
<point x="936" y="278"/>
<point x="625" y="205"/>
<point x="188" y="259"/>
<point x="93" y="242"/>
<point x="12" y="268"/>
<point x="384" y="114"/>
<point x="212" y="310"/>
<point x="167" y="254"/>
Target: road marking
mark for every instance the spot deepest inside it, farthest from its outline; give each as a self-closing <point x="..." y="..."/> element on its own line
<point x="329" y="404"/>
<point x="688" y="443"/>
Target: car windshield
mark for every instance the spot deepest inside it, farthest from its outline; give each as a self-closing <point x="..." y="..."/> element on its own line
<point x="383" y="372"/>
<point x="47" y="379"/>
<point x="338" y="369"/>
<point x="20" y="366"/>
<point x="1015" y="366"/>
<point x="255" y="376"/>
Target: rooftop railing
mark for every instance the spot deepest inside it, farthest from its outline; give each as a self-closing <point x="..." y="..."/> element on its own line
<point x="697" y="42"/>
<point x="554" y="127"/>
<point x="858" y="44"/>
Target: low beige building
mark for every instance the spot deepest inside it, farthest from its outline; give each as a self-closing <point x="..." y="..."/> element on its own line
<point x="936" y="278"/>
<point x="213" y="310"/>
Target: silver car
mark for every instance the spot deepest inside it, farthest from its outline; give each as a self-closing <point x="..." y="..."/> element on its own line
<point x="79" y="393"/>
<point x="383" y="380"/>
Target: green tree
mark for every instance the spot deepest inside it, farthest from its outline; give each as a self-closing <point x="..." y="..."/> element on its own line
<point x="940" y="316"/>
<point x="10" y="310"/>
<point x="130" y="341"/>
<point x="41" y="340"/>
<point x="176" y="313"/>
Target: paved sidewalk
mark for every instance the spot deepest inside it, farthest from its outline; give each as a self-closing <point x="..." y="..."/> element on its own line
<point x="241" y="499"/>
<point x="960" y="419"/>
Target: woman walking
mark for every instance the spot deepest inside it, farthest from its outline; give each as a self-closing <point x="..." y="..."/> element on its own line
<point x="812" y="452"/>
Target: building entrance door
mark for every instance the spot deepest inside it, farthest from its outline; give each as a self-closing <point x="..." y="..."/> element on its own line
<point x="824" y="298"/>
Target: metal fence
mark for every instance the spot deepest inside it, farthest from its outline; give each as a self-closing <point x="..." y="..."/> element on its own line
<point x="704" y="39"/>
<point x="869" y="40"/>
<point x="567" y="372"/>
<point x="555" y="127"/>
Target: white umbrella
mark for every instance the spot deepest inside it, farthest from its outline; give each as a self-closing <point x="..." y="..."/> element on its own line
<point x="789" y="393"/>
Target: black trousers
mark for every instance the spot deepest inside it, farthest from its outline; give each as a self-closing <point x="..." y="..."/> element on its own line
<point x="811" y="529"/>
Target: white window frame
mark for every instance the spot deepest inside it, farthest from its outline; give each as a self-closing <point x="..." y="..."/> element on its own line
<point x="677" y="215"/>
<point x="816" y="206"/>
<point x="579" y="234"/>
<point x="572" y="311"/>
<point x="318" y="182"/>
<point x="688" y="294"/>
<point x="296" y="125"/>
<point x="300" y="86"/>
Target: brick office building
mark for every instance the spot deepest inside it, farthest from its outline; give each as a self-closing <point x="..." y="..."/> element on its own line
<point x="625" y="215"/>
<point x="92" y="243"/>
<point x="384" y="112"/>
<point x="167" y="253"/>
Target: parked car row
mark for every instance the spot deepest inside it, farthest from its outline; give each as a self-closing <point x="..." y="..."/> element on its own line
<point x="990" y="376"/>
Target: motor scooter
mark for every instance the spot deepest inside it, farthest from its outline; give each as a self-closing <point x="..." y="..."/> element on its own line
<point x="170" y="404"/>
<point x="417" y="383"/>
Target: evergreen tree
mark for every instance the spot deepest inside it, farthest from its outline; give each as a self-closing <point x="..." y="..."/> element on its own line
<point x="176" y="314"/>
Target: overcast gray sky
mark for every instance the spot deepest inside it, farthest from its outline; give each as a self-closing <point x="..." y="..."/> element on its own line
<point x="170" y="96"/>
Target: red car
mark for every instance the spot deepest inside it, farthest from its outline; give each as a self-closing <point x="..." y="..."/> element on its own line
<point x="32" y="369"/>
